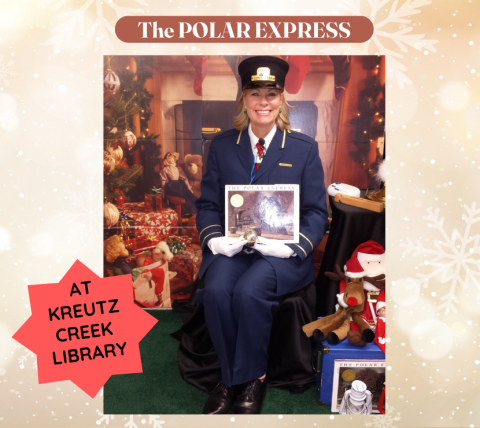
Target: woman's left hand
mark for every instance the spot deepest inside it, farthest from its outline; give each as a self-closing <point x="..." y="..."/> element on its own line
<point x="273" y="248"/>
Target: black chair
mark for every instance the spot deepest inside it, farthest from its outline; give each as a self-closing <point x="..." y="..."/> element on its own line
<point x="290" y="351"/>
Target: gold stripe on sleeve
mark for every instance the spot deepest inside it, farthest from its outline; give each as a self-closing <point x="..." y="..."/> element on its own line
<point x="301" y="249"/>
<point x="208" y="227"/>
<point x="213" y="233"/>
<point x="307" y="239"/>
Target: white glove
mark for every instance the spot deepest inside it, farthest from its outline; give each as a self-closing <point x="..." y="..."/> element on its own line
<point x="273" y="248"/>
<point x="226" y="246"/>
<point x="340" y="300"/>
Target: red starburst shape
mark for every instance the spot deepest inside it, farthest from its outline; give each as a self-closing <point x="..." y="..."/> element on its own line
<point x="85" y="328"/>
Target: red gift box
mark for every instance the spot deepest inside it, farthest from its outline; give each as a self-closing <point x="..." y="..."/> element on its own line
<point x="141" y="244"/>
<point x="187" y="263"/>
<point x="153" y="202"/>
<point x="158" y="224"/>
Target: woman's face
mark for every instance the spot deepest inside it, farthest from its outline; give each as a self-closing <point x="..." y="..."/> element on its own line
<point x="262" y="105"/>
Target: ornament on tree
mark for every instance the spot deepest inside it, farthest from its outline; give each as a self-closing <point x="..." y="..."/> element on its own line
<point x="108" y="163"/>
<point x="117" y="153"/>
<point x="111" y="82"/>
<point x="119" y="197"/>
<point x="110" y="214"/>
<point x="114" y="130"/>
<point x="128" y="140"/>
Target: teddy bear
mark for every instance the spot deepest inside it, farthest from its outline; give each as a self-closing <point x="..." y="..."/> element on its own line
<point x="113" y="248"/>
<point x="193" y="170"/>
<point x="119" y="257"/>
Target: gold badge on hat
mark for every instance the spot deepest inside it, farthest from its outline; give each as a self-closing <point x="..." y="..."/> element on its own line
<point x="263" y="73"/>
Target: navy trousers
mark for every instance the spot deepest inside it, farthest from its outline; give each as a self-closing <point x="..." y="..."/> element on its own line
<point x="240" y="297"/>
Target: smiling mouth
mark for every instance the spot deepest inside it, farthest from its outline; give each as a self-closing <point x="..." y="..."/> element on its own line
<point x="263" y="111"/>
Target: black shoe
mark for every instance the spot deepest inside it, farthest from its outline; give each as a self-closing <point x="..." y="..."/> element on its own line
<point x="250" y="398"/>
<point x="220" y="400"/>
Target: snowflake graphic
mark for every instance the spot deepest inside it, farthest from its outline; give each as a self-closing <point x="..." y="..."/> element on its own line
<point x="397" y="16"/>
<point x="102" y="28"/>
<point x="384" y="421"/>
<point x="4" y="70"/>
<point x="84" y="216"/>
<point x="27" y="354"/>
<point x="455" y="258"/>
<point x="153" y="420"/>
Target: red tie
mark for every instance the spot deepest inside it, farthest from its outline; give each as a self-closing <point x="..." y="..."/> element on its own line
<point x="260" y="153"/>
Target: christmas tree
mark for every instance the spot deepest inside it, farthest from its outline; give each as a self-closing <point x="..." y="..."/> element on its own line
<point x="129" y="161"/>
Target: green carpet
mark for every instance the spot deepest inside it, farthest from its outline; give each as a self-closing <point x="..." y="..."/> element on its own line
<point x="161" y="390"/>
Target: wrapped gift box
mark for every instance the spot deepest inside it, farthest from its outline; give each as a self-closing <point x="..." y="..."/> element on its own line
<point x="333" y="360"/>
<point x="125" y="227"/>
<point x="153" y="202"/>
<point x="187" y="263"/>
<point x="177" y="244"/>
<point x="141" y="244"/>
<point x="159" y="224"/>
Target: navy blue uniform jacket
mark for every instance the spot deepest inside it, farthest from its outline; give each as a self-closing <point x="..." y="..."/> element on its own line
<point x="291" y="158"/>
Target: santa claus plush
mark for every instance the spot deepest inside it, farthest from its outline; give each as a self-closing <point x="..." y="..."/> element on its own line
<point x="367" y="262"/>
<point x="380" y="329"/>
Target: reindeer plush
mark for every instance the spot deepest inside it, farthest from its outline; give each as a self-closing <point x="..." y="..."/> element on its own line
<point x="367" y="265"/>
<point x="336" y="327"/>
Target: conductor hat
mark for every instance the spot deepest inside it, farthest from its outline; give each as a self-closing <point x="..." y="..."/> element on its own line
<point x="263" y="72"/>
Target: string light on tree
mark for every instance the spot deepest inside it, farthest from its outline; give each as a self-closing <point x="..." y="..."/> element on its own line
<point x="369" y="122"/>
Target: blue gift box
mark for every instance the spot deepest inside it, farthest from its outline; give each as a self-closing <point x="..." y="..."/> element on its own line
<point x="325" y="362"/>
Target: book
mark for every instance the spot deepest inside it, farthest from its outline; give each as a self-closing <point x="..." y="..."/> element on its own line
<point x="271" y="210"/>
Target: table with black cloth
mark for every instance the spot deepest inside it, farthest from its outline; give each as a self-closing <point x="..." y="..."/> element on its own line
<point x="350" y="227"/>
<point x="289" y="351"/>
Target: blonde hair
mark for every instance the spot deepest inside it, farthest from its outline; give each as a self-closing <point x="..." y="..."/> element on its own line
<point x="241" y="120"/>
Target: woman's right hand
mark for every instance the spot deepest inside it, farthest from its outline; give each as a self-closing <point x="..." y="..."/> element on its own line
<point x="226" y="246"/>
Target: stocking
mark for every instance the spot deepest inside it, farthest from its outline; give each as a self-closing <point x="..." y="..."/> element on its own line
<point x="299" y="65"/>
<point x="341" y="72"/>
<point x="198" y="63"/>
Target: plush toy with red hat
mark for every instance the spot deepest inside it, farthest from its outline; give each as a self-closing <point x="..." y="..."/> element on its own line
<point x="367" y="262"/>
<point x="336" y="327"/>
<point x="380" y="328"/>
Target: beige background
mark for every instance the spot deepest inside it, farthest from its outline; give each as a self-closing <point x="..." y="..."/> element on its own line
<point x="51" y="180"/>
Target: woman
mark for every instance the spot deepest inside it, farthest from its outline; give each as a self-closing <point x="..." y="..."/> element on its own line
<point x="242" y="289"/>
